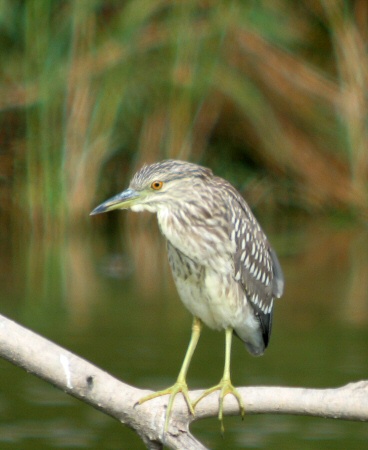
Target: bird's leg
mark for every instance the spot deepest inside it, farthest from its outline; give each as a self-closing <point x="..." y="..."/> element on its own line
<point x="181" y="383"/>
<point x="225" y="386"/>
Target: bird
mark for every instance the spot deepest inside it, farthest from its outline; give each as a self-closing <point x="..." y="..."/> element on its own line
<point x="225" y="270"/>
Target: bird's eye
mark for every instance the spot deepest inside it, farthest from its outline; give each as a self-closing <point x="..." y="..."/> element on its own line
<point x="157" y="185"/>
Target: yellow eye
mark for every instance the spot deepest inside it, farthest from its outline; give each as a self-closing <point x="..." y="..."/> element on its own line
<point x="157" y="185"/>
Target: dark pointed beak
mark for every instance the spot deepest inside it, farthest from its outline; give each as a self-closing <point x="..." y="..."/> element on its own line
<point x="124" y="200"/>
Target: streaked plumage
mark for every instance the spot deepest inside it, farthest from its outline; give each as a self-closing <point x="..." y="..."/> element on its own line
<point x="225" y="270"/>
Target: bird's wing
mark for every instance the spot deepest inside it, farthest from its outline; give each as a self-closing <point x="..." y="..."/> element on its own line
<point x="255" y="262"/>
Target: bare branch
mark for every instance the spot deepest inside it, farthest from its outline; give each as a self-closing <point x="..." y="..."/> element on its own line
<point x="92" y="385"/>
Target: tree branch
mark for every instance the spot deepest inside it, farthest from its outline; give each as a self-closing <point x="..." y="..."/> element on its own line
<point x="92" y="385"/>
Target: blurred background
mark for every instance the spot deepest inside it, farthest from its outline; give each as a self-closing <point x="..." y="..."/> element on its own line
<point x="273" y="96"/>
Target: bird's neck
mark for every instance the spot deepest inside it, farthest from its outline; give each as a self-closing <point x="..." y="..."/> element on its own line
<point x="197" y="242"/>
<point x="173" y="226"/>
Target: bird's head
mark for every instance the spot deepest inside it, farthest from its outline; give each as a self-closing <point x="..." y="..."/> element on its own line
<point x="159" y="185"/>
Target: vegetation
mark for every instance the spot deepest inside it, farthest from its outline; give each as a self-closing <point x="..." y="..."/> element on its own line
<point x="272" y="95"/>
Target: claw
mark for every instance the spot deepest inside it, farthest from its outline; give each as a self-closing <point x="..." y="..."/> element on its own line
<point x="225" y="387"/>
<point x="179" y="386"/>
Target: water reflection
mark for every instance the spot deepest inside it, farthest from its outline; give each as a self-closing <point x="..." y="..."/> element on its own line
<point x="86" y="293"/>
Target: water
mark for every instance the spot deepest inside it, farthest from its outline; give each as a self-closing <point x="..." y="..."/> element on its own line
<point x="83" y="294"/>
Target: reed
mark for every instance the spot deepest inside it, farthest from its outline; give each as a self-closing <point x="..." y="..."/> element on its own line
<point x="279" y="85"/>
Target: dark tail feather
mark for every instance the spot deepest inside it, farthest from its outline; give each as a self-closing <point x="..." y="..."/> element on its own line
<point x="266" y="323"/>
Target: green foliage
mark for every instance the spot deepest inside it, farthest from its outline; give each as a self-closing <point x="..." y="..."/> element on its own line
<point x="283" y="85"/>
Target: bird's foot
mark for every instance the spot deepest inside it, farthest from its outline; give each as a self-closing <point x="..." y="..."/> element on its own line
<point x="225" y="387"/>
<point x="179" y="386"/>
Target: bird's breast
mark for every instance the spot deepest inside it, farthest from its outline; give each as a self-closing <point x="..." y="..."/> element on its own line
<point x="203" y="244"/>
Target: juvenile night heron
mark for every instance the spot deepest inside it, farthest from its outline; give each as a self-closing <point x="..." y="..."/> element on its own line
<point x="225" y="270"/>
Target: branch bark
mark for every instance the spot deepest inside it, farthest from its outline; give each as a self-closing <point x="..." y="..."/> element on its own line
<point x="83" y="380"/>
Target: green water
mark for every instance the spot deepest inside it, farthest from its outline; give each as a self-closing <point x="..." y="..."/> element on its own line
<point x="82" y="293"/>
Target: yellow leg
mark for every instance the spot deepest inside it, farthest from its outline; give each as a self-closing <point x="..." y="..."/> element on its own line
<point x="181" y="383"/>
<point x="225" y="386"/>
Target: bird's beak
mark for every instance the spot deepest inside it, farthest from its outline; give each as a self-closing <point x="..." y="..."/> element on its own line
<point x="124" y="200"/>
